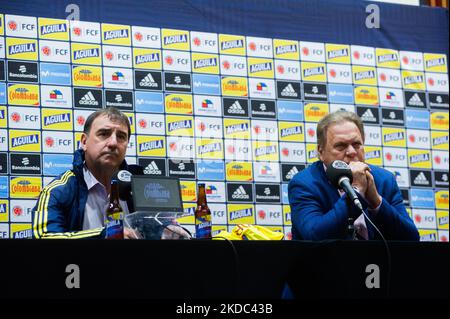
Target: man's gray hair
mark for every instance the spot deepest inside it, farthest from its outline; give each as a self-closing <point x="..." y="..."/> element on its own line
<point x="112" y="113"/>
<point x="337" y="117"/>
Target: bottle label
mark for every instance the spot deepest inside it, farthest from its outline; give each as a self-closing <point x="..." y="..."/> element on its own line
<point x="114" y="226"/>
<point x="203" y="226"/>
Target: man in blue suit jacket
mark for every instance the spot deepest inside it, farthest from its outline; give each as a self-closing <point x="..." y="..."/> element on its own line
<point x="319" y="211"/>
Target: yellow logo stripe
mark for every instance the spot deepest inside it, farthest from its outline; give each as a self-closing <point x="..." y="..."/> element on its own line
<point x="74" y="235"/>
<point x="43" y="203"/>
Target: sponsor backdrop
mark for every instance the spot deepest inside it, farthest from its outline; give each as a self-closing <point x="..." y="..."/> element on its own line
<point x="234" y="107"/>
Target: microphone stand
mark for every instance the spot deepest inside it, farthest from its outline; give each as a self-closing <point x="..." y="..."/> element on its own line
<point x="351" y="231"/>
<point x="351" y="228"/>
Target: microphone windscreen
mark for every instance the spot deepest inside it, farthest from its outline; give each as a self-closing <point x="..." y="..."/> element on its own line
<point x="336" y="170"/>
<point x="123" y="178"/>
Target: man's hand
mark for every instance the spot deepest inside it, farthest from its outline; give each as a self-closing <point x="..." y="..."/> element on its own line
<point x="129" y="233"/>
<point x="371" y="195"/>
<point x="359" y="170"/>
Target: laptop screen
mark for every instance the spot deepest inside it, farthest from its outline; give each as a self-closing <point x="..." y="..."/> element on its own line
<point x="156" y="193"/>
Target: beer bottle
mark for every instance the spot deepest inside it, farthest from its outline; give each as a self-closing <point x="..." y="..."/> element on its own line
<point x="202" y="215"/>
<point x="114" y="214"/>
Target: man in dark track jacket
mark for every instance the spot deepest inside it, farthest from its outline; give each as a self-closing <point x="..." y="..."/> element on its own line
<point x="73" y="204"/>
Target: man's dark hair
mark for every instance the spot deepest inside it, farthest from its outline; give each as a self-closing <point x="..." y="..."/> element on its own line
<point x="112" y="113"/>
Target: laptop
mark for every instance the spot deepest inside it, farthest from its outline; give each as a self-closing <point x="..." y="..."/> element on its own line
<point x="156" y="194"/>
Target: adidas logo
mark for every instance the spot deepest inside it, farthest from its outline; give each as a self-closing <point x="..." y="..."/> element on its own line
<point x="292" y="172"/>
<point x="421" y="179"/>
<point x="415" y="100"/>
<point x="88" y="99"/>
<point x="240" y="193"/>
<point x="236" y="108"/>
<point x="368" y="116"/>
<point x="148" y="81"/>
<point x="152" y="169"/>
<point x="289" y="91"/>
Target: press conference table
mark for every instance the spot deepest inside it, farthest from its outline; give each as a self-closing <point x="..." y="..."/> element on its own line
<point x="211" y="269"/>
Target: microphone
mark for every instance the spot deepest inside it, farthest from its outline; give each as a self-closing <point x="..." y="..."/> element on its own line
<point x="340" y="175"/>
<point x="123" y="178"/>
